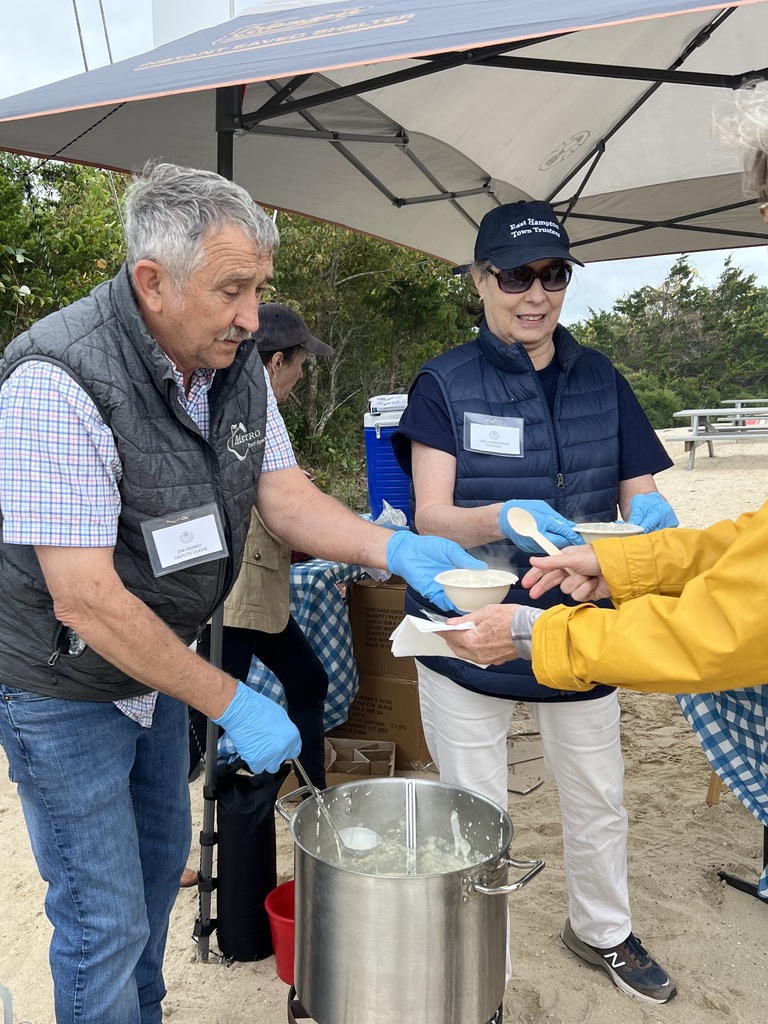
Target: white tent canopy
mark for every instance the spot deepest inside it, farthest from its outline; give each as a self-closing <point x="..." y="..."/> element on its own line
<point x="410" y="121"/>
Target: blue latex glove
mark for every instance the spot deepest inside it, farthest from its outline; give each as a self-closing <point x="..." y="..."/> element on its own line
<point x="554" y="526"/>
<point x="260" y="730"/>
<point x="419" y="559"/>
<point x="652" y="512"/>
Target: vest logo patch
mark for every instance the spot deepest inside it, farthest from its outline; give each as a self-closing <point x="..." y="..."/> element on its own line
<point x="241" y="441"/>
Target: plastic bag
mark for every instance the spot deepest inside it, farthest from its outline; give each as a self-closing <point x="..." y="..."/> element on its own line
<point x="393" y="519"/>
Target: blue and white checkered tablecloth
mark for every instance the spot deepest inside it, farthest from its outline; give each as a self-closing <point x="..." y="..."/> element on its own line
<point x="320" y="609"/>
<point x="733" y="730"/>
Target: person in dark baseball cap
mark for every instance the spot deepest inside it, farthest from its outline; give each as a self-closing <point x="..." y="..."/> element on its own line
<point x="280" y="329"/>
<point x="521" y="417"/>
<point x="284" y="340"/>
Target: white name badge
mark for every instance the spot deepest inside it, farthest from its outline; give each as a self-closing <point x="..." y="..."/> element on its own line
<point x="189" y="537"/>
<point x="493" y="435"/>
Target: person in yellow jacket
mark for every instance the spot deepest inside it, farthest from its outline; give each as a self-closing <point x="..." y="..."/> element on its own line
<point x="688" y="615"/>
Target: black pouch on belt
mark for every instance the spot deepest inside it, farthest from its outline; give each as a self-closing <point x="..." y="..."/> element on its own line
<point x="247" y="859"/>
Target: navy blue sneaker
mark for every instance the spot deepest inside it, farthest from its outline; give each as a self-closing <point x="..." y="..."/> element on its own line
<point x="628" y="964"/>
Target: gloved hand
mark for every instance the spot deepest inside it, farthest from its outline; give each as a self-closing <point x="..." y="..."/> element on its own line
<point x="555" y="527"/>
<point x="652" y="512"/>
<point x="260" y="730"/>
<point x="419" y="559"/>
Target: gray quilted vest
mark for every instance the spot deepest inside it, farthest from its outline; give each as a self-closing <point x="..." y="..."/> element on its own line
<point x="103" y="343"/>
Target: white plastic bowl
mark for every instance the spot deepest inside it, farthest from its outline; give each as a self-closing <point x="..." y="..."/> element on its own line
<point x="472" y="589"/>
<point x="600" y="531"/>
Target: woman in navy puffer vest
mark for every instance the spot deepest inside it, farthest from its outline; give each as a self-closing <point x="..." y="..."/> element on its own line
<point x="524" y="415"/>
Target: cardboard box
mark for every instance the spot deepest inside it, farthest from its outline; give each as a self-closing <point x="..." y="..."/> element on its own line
<point x="362" y="757"/>
<point x="375" y="610"/>
<point x="387" y="708"/>
<point x="525" y="763"/>
<point x="524" y="777"/>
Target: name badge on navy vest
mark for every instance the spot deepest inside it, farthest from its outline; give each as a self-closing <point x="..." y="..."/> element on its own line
<point x="493" y="435"/>
<point x="189" y="537"/>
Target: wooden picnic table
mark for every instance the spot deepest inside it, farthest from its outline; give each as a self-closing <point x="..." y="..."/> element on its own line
<point x="719" y="424"/>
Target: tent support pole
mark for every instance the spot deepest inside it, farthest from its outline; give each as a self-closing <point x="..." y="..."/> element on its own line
<point x="205" y="923"/>
<point x="229" y="116"/>
<point x="228" y="105"/>
<point x="739" y="883"/>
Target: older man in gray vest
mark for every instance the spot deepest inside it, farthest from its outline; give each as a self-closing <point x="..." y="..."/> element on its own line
<point x="135" y="428"/>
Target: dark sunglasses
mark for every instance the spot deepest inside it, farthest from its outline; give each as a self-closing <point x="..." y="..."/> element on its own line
<point x="554" y="278"/>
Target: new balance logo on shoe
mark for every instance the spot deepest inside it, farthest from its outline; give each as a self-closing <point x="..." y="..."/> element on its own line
<point x="628" y="964"/>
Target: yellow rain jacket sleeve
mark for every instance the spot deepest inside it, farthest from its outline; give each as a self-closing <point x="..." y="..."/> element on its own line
<point x="690" y="614"/>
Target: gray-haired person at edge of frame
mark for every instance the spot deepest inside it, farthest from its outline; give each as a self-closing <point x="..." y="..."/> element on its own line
<point x="135" y="426"/>
<point x="700" y="594"/>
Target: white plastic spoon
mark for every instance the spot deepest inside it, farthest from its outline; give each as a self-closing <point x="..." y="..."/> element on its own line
<point x="523" y="522"/>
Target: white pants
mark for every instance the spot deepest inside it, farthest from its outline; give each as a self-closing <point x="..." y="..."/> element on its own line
<point x="467" y="737"/>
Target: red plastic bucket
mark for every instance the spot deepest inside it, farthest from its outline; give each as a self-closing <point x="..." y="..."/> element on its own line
<point x="279" y="908"/>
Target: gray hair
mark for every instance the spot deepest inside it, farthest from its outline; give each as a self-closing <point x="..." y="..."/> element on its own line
<point x="743" y="125"/>
<point x="169" y="210"/>
<point x="473" y="304"/>
<point x="478" y="266"/>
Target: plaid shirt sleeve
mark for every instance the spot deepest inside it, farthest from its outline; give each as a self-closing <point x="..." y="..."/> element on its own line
<point x="59" y="468"/>
<point x="278" y="450"/>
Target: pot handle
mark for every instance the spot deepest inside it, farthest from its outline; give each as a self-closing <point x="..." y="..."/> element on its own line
<point x="303" y="790"/>
<point x="535" y="867"/>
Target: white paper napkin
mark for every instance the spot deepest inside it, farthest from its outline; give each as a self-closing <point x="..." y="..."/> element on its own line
<point x="418" y="638"/>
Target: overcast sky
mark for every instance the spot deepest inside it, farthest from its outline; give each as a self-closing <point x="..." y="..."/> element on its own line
<point x="39" y="43"/>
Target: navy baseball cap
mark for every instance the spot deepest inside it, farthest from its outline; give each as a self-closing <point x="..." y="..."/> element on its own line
<point x="518" y="233"/>
<point x="280" y="328"/>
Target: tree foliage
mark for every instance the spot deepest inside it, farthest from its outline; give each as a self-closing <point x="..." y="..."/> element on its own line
<point x="60" y="235"/>
<point x="383" y="309"/>
<point x="684" y="344"/>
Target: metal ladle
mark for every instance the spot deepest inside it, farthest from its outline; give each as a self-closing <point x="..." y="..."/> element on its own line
<point x="365" y="838"/>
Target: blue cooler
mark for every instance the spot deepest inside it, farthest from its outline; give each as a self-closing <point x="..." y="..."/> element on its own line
<point x="386" y="481"/>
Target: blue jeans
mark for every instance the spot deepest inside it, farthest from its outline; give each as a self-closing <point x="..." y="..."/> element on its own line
<point x="106" y="804"/>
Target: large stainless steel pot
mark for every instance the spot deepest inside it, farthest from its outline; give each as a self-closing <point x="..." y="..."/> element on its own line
<point x="404" y="948"/>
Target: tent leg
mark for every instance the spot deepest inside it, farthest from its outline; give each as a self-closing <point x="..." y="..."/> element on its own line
<point x="228" y="106"/>
<point x="229" y="110"/>
<point x="205" y="924"/>
<point x="742" y="884"/>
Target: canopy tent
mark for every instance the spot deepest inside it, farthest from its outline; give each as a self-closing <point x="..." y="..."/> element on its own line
<point x="409" y="121"/>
